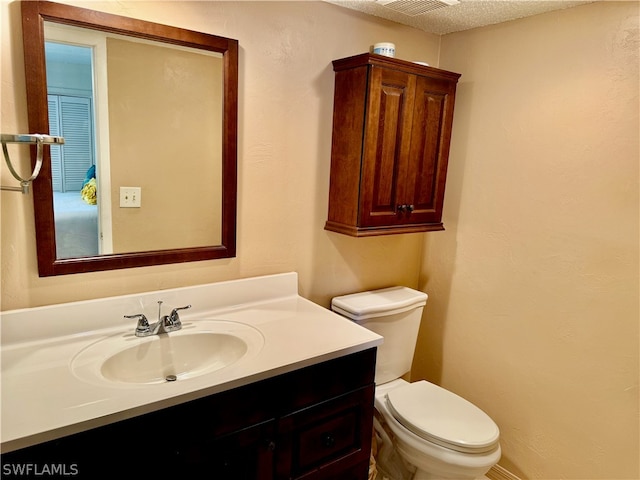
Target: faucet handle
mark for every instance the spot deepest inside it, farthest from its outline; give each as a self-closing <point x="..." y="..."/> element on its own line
<point x="143" y="327"/>
<point x="174" y="318"/>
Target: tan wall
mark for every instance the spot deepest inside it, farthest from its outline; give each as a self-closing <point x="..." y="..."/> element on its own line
<point x="533" y="310"/>
<point x="284" y="141"/>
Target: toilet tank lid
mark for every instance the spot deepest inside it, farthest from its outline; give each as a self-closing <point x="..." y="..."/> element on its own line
<point x="376" y="303"/>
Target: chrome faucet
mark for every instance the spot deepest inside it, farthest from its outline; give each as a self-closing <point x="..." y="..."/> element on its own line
<point x="165" y="324"/>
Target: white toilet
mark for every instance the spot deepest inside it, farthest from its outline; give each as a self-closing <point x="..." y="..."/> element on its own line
<point x="436" y="433"/>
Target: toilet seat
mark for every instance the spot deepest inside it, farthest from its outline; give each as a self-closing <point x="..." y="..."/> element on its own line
<point x="442" y="417"/>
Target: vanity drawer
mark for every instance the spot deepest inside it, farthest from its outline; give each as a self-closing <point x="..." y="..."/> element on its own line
<point x="329" y="438"/>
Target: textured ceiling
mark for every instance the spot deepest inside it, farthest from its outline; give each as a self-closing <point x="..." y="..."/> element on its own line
<point x="463" y="16"/>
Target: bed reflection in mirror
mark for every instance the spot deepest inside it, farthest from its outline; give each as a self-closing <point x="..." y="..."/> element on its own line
<point x="159" y="117"/>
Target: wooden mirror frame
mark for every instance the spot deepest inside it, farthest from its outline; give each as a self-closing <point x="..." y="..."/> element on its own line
<point x="34" y="14"/>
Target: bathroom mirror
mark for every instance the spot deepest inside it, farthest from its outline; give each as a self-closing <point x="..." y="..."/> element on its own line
<point x="149" y="171"/>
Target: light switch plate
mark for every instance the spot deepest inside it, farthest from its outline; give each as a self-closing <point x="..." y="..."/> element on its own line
<point x="130" y="197"/>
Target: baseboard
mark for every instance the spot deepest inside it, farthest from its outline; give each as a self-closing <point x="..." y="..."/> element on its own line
<point x="499" y="473"/>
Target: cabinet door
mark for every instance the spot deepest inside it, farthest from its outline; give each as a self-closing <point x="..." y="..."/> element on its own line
<point x="432" y="119"/>
<point x="330" y="440"/>
<point x="243" y="455"/>
<point x="156" y="445"/>
<point x="387" y="146"/>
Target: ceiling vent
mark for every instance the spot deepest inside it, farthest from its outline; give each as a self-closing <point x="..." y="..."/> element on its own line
<point x="416" y="7"/>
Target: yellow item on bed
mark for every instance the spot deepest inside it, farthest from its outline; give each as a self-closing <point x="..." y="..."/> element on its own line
<point x="89" y="191"/>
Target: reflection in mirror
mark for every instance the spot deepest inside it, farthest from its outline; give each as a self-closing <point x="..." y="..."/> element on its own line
<point x="70" y="103"/>
<point x="148" y="170"/>
<point x="153" y="89"/>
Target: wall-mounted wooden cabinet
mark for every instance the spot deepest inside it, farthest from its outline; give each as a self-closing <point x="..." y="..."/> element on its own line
<point x="391" y="133"/>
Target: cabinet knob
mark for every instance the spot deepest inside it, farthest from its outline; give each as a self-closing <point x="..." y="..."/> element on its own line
<point x="405" y="208"/>
<point x="328" y="440"/>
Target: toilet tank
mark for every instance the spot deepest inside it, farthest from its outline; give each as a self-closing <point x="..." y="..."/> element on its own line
<point x="394" y="313"/>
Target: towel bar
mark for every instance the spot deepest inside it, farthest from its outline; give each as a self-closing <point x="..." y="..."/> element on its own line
<point x="30" y="139"/>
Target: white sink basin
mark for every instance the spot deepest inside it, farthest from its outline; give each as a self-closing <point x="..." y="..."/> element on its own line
<point x="201" y="347"/>
<point x="167" y="357"/>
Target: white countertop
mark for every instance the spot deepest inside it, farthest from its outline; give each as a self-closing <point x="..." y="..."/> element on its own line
<point x="42" y="399"/>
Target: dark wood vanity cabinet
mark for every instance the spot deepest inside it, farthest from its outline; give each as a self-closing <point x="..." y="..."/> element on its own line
<point x="392" y="124"/>
<point x="314" y="424"/>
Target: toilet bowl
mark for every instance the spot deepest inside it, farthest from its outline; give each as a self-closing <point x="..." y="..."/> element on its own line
<point x="436" y="433"/>
<point x="465" y="445"/>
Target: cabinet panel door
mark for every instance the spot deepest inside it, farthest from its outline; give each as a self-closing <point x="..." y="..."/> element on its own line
<point x="243" y="455"/>
<point x="429" y="149"/>
<point x="328" y="441"/>
<point x="387" y="146"/>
